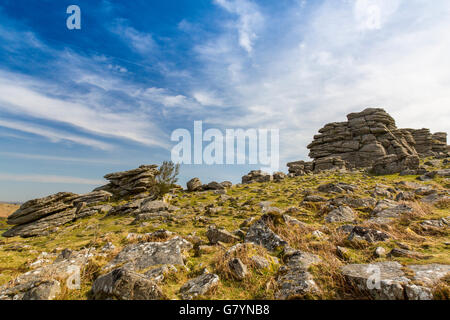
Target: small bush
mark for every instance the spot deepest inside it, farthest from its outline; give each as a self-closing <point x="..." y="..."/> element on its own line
<point x="167" y="177"/>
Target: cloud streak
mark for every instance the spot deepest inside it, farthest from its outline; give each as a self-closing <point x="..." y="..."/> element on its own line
<point x="49" y="179"/>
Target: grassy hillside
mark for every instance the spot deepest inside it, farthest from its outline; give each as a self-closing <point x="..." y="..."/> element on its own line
<point x="239" y="204"/>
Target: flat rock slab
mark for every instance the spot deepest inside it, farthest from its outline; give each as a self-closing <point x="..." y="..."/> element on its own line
<point x="123" y="284"/>
<point x="388" y="281"/>
<point x="140" y="256"/>
<point x="199" y="286"/>
<point x="341" y="214"/>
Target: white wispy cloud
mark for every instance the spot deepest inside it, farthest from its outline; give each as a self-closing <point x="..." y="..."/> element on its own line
<point x="141" y="42"/>
<point x="49" y="179"/>
<point x="54" y="135"/>
<point x="19" y="155"/>
<point x="249" y="21"/>
<point x="328" y="62"/>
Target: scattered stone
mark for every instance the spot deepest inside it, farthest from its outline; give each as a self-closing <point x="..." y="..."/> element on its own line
<point x="199" y="286"/>
<point x="393" y="283"/>
<point x="143" y="255"/>
<point x="216" y="235"/>
<point x="380" y="252"/>
<point x="238" y="269"/>
<point x="256" y="176"/>
<point x="259" y="233"/>
<point x="341" y="214"/>
<point x="194" y="185"/>
<point x="336" y="188"/>
<point x="294" y="280"/>
<point x="123" y="284"/>
<point x="314" y="198"/>
<point x="370" y="235"/>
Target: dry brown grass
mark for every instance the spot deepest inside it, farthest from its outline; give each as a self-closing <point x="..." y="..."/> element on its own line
<point x="6" y="209"/>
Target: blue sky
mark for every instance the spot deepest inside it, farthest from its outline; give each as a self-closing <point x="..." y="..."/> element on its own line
<point x="77" y="104"/>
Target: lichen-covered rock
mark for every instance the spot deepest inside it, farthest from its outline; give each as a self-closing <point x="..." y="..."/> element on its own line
<point x="238" y="269"/>
<point x="132" y="182"/>
<point x="216" y="235"/>
<point x="257" y="176"/>
<point x="259" y="233"/>
<point x="199" y="286"/>
<point x="392" y="163"/>
<point x="143" y="255"/>
<point x="194" y="184"/>
<point x="300" y="168"/>
<point x="387" y="280"/>
<point x="341" y="214"/>
<point x="364" y="138"/>
<point x="294" y="280"/>
<point x="123" y="284"/>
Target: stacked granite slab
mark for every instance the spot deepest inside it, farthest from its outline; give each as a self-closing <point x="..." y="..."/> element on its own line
<point x="132" y="182"/>
<point x="40" y="216"/>
<point x="366" y="137"/>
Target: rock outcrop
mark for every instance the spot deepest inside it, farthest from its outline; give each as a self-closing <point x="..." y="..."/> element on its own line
<point x="132" y="182"/>
<point x="40" y="216"/>
<point x="363" y="139"/>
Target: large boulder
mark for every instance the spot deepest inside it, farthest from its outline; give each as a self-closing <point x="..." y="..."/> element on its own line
<point x="257" y="176"/>
<point x="194" y="184"/>
<point x="40" y="216"/>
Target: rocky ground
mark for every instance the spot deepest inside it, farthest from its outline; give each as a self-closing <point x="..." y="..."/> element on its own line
<point x="316" y="236"/>
<point x="368" y="218"/>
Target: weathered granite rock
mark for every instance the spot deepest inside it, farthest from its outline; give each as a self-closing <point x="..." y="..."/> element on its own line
<point x="279" y="176"/>
<point x="132" y="182"/>
<point x="42" y="283"/>
<point x="300" y="168"/>
<point x="93" y="198"/>
<point x="365" y="137"/>
<point x="257" y="176"/>
<point x="123" y="284"/>
<point x="259" y="233"/>
<point x="368" y="234"/>
<point x="199" y="286"/>
<point x="216" y="235"/>
<point x="42" y="226"/>
<point x="387" y="280"/>
<point x="194" y="184"/>
<point x="338" y="187"/>
<point x="39" y="208"/>
<point x="33" y="290"/>
<point x="238" y="269"/>
<point x="392" y="163"/>
<point x="143" y="255"/>
<point x="341" y="214"/>
<point x="354" y="202"/>
<point x="329" y="163"/>
<point x="294" y="280"/>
